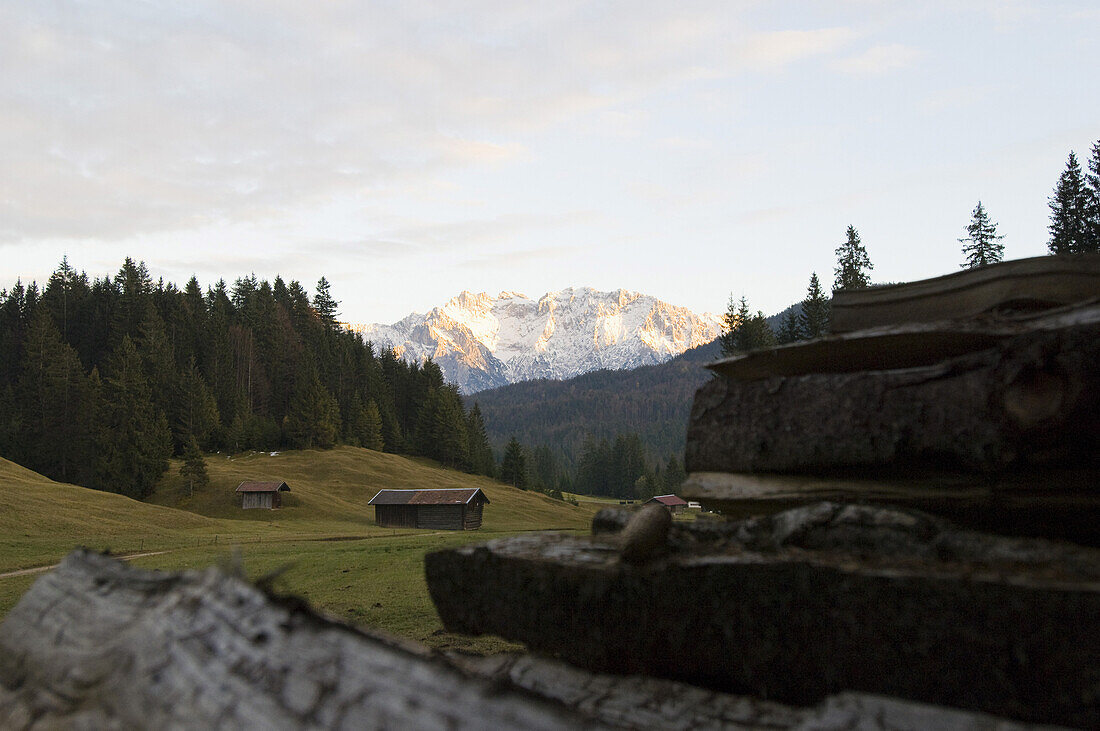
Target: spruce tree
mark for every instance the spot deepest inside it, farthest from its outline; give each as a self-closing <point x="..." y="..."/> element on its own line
<point x="1092" y="186"/>
<point x="56" y="406"/>
<point x="371" y="437"/>
<point x="313" y="418"/>
<point x="134" y="441"/>
<point x="513" y="467"/>
<point x="452" y="447"/>
<point x="731" y="323"/>
<point x="814" y="320"/>
<point x="791" y="329"/>
<point x="324" y="304"/>
<point x="193" y="469"/>
<point x="982" y="243"/>
<point x="852" y="264"/>
<point x="481" y="454"/>
<point x="1069" y="229"/>
<point x="194" y="409"/>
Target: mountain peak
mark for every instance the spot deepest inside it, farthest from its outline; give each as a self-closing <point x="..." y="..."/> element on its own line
<point x="482" y="342"/>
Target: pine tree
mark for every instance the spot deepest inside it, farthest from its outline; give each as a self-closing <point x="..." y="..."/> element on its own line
<point x="452" y="447"/>
<point x="371" y="436"/>
<point x="313" y="418"/>
<point x="982" y="243"/>
<point x="1069" y="212"/>
<point x="1092" y="185"/>
<point x="193" y="468"/>
<point x="513" y="467"/>
<point x="731" y="322"/>
<point x="324" y="304"/>
<point x="56" y="406"/>
<point x="791" y="329"/>
<point x="134" y="441"/>
<point x="194" y="409"/>
<point x="852" y="264"/>
<point x="814" y="320"/>
<point x="481" y="454"/>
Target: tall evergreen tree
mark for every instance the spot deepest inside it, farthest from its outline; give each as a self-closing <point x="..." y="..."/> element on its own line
<point x="791" y="329"/>
<point x="982" y="243"/>
<point x="193" y="468"/>
<point x="481" y="454"/>
<point x="57" y="406"/>
<point x="1069" y="207"/>
<point x="371" y="437"/>
<point x="194" y="409"/>
<point x="735" y="314"/>
<point x="513" y="467"/>
<point x="852" y="264"/>
<point x="324" y="303"/>
<point x="1092" y="189"/>
<point x="313" y="420"/>
<point x="134" y="441"/>
<point x="814" y="319"/>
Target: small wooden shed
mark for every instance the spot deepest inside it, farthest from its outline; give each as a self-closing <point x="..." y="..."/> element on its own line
<point x="446" y="509"/>
<point x="261" y="494"/>
<point x="673" y="503"/>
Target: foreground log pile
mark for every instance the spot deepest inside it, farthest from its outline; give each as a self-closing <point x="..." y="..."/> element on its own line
<point x="97" y="644"/>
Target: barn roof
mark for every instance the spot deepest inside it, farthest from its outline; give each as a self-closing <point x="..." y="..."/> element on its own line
<point x="263" y="487"/>
<point x="667" y="500"/>
<point x="448" y="496"/>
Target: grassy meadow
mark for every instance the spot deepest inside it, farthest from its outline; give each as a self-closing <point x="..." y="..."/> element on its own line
<point x="324" y="536"/>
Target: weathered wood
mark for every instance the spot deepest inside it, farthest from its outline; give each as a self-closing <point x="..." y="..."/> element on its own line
<point x="97" y="644"/>
<point x="799" y="606"/>
<point x="1024" y="417"/>
<point x="1021" y="284"/>
<point x="663" y="705"/>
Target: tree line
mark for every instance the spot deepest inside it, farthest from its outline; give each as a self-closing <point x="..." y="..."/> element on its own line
<point x="102" y="381"/>
<point x="1074" y="229"/>
<point x="618" y="468"/>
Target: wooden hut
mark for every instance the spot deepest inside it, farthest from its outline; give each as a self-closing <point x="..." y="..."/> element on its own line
<point x="673" y="503"/>
<point x="447" y="509"/>
<point x="261" y="494"/>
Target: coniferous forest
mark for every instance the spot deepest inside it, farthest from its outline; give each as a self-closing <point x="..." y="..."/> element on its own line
<point x="102" y="381"/>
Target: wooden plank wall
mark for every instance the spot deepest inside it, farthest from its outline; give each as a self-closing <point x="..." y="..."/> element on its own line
<point x="440" y="517"/>
<point x="395" y="516"/>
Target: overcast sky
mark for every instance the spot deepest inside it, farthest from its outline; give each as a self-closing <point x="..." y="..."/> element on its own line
<point x="410" y="150"/>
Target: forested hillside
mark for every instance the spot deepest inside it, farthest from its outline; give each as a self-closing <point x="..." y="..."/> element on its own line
<point x="101" y="381"/>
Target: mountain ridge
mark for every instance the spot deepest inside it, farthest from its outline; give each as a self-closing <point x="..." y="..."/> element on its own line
<point x="483" y="342"/>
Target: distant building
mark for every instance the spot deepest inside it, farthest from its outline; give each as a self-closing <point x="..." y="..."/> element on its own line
<point x="673" y="503"/>
<point x="448" y="509"/>
<point x="262" y="494"/>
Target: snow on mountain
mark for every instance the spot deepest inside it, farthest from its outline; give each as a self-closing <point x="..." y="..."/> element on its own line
<point x="481" y="341"/>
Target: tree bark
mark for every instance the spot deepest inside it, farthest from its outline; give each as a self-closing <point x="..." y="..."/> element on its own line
<point x="97" y="644"/>
<point x="800" y="606"/>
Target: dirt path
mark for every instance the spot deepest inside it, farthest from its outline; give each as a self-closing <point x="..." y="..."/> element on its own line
<point x="40" y="569"/>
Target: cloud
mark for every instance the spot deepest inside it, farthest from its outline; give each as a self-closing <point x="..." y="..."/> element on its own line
<point x="879" y="59"/>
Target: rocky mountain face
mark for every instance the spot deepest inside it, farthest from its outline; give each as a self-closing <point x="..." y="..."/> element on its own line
<point x="482" y="342"/>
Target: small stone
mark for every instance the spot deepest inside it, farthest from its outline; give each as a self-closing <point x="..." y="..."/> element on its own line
<point x="646" y="534"/>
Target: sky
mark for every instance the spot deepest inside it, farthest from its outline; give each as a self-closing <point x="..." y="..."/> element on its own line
<point x="407" y="151"/>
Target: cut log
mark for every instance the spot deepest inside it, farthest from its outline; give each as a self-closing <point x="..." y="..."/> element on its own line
<point x="97" y="644"/>
<point x="664" y="705"/>
<point x="1021" y="284"/>
<point x="1017" y="424"/>
<point x="984" y="627"/>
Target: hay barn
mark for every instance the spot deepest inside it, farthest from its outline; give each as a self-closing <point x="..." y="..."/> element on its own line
<point x="673" y="503"/>
<point x="447" y="509"/>
<point x="261" y="494"/>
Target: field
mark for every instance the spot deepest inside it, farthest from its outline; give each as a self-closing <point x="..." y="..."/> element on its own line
<point x="324" y="536"/>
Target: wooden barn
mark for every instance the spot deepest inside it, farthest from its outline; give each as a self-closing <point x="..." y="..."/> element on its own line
<point x="448" y="509"/>
<point x="673" y="503"/>
<point x="261" y="494"/>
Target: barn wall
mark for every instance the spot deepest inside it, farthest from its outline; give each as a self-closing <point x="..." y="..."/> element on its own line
<point x="395" y="516"/>
<point x="255" y="500"/>
<point x="471" y="519"/>
<point x="440" y="517"/>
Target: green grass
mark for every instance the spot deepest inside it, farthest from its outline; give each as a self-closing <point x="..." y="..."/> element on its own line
<point x="339" y="559"/>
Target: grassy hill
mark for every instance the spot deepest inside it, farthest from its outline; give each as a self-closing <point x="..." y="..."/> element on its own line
<point x="325" y="533"/>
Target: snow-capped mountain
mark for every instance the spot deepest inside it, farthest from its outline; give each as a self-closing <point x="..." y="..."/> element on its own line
<point x="481" y="341"/>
